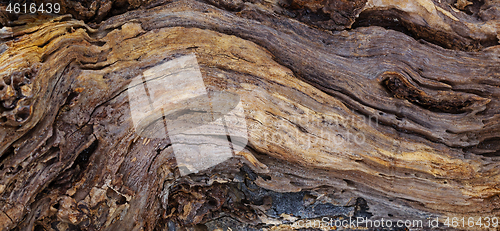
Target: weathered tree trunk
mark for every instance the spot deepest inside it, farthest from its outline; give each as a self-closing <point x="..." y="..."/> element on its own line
<point x="353" y="109"/>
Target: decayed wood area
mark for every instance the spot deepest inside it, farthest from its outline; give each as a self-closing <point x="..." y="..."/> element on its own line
<point x="376" y="109"/>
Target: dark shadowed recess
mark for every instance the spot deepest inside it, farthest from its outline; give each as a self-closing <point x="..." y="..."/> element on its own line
<point x="334" y="15"/>
<point x="238" y="204"/>
<point x="397" y="20"/>
<point x="73" y="173"/>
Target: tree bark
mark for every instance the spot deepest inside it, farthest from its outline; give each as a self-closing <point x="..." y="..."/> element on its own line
<point x="353" y="109"/>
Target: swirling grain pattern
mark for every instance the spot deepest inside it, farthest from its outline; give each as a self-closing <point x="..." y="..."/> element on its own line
<point x="364" y="122"/>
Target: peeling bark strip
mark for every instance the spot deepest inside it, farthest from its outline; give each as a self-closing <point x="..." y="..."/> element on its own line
<point x="346" y="117"/>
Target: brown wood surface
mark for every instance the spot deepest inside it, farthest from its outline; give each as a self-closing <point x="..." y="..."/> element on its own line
<point x="418" y="81"/>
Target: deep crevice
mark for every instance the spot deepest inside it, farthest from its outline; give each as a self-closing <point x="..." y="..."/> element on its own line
<point x="387" y="19"/>
<point x="73" y="173"/>
<point x="8" y="152"/>
<point x="83" y="158"/>
<point x="394" y="19"/>
<point x="487" y="148"/>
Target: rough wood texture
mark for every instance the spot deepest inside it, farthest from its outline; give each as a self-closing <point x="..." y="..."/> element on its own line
<point x="347" y="117"/>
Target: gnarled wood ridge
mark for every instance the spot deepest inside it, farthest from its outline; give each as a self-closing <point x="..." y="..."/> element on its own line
<point x="375" y="109"/>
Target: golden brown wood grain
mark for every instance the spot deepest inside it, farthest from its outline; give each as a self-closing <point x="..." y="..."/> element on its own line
<point x="345" y="118"/>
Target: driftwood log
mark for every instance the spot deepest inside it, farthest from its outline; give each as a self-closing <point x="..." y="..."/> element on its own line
<point x="377" y="109"/>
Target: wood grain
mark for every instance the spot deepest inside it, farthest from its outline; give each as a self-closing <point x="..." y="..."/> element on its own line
<point x="344" y="118"/>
